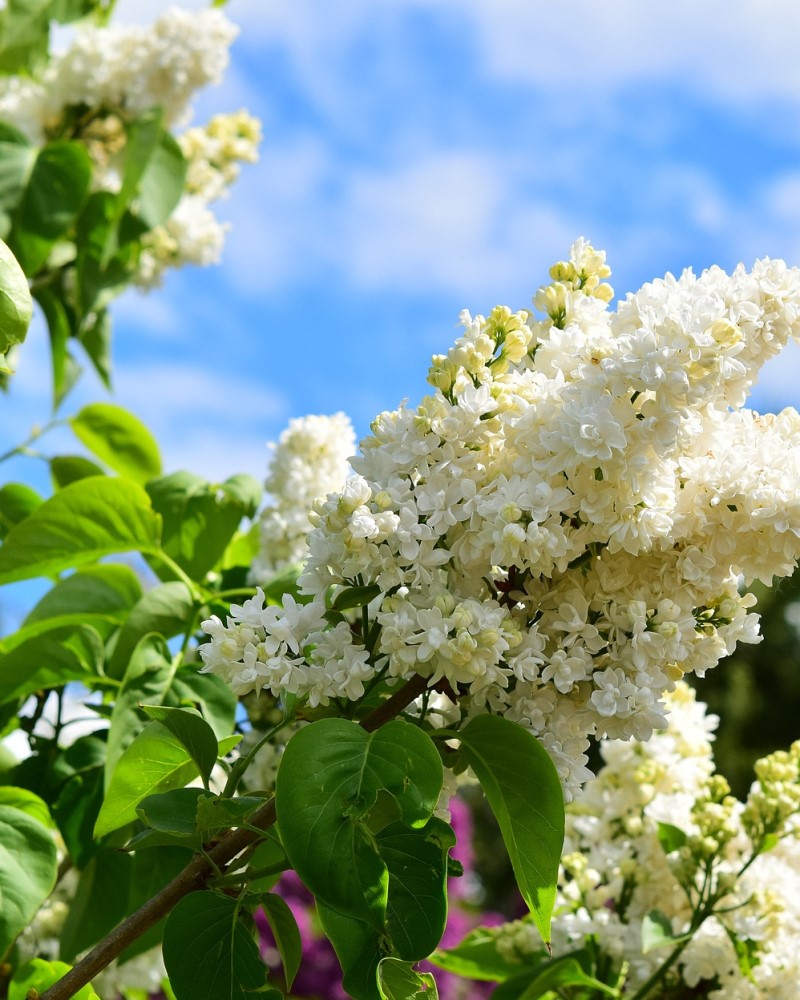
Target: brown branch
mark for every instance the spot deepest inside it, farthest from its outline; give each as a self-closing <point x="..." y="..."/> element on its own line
<point x="202" y="866"/>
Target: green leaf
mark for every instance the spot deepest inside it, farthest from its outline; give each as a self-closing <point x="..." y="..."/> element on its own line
<point x="109" y="589"/>
<point x="16" y="160"/>
<point x="166" y="609"/>
<point x="27" y="802"/>
<point x="39" y="975"/>
<point x="50" y="660"/>
<point x="147" y="678"/>
<point x="329" y="778"/>
<point x="477" y="957"/>
<point x="210" y="954"/>
<point x="671" y="838"/>
<point x="355" y="597"/>
<point x="565" y="971"/>
<point x="657" y="931"/>
<point x="162" y="181"/>
<point x="156" y="761"/>
<point x="24" y="36"/>
<point x="16" y="305"/>
<point x="208" y="693"/>
<point x="66" y="469"/>
<point x="28" y="865"/>
<point x="286" y="933"/>
<point x="90" y="519"/>
<point x="416" y="860"/>
<point x="172" y="812"/>
<point x="399" y="981"/>
<point x="188" y="726"/>
<point x="97" y="596"/>
<point x="524" y="791"/>
<point x="358" y="948"/>
<point x="76" y="810"/>
<point x="119" y="439"/>
<point x="100" y="277"/>
<point x="200" y="518"/>
<point x="95" y="337"/>
<point x="53" y="197"/>
<point x="215" y="813"/>
<point x="99" y="903"/>
<point x="59" y="327"/>
<point x="17" y="501"/>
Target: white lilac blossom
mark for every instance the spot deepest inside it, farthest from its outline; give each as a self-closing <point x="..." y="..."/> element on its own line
<point x="558" y="533"/>
<point x="617" y="871"/>
<point x="126" y="68"/>
<point x="109" y="76"/>
<point x="193" y="234"/>
<point x="310" y="460"/>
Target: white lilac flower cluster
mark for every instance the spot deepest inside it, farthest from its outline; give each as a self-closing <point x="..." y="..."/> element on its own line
<point x="618" y="868"/>
<point x="128" y="68"/>
<point x="108" y="76"/>
<point x="193" y="234"/>
<point x="556" y="534"/>
<point x="310" y="460"/>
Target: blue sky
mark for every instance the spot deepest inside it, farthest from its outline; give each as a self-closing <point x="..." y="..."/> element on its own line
<point x="422" y="156"/>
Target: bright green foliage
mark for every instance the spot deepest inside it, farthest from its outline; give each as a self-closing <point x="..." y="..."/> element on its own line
<point x="156" y="761"/>
<point x="200" y="518"/>
<point x="329" y="780"/>
<point x="90" y="519"/>
<point x="16" y="305"/>
<point x="524" y="791"/>
<point x="39" y="975"/>
<point x="399" y="981"/>
<point x="27" y="869"/>
<point x="477" y="957"/>
<point x="191" y="729"/>
<point x="16" y="501"/>
<point x="209" y="952"/>
<point x="119" y="439"/>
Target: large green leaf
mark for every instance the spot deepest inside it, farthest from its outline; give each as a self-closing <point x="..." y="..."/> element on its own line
<point x="37" y="975"/>
<point x="49" y="660"/>
<point x="154" y="762"/>
<point x="329" y="780"/>
<point x="60" y="328"/>
<point x="97" y="596"/>
<point x="209" y="694"/>
<point x="162" y="181"/>
<point x="109" y="589"/>
<point x="416" y="911"/>
<point x="66" y="469"/>
<point x="16" y="305"/>
<point x="99" y="902"/>
<point x="210" y="954"/>
<point x="17" y="501"/>
<point x="355" y="946"/>
<point x="523" y="788"/>
<point x="147" y="679"/>
<point x="53" y="197"/>
<point x="200" y="518"/>
<point x="119" y="439"/>
<point x="286" y="934"/>
<point x="188" y="726"/>
<point x="16" y="160"/>
<point x="399" y="981"/>
<point x="166" y="609"/>
<point x="92" y="518"/>
<point x="28" y="864"/>
<point x="477" y="957"/>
